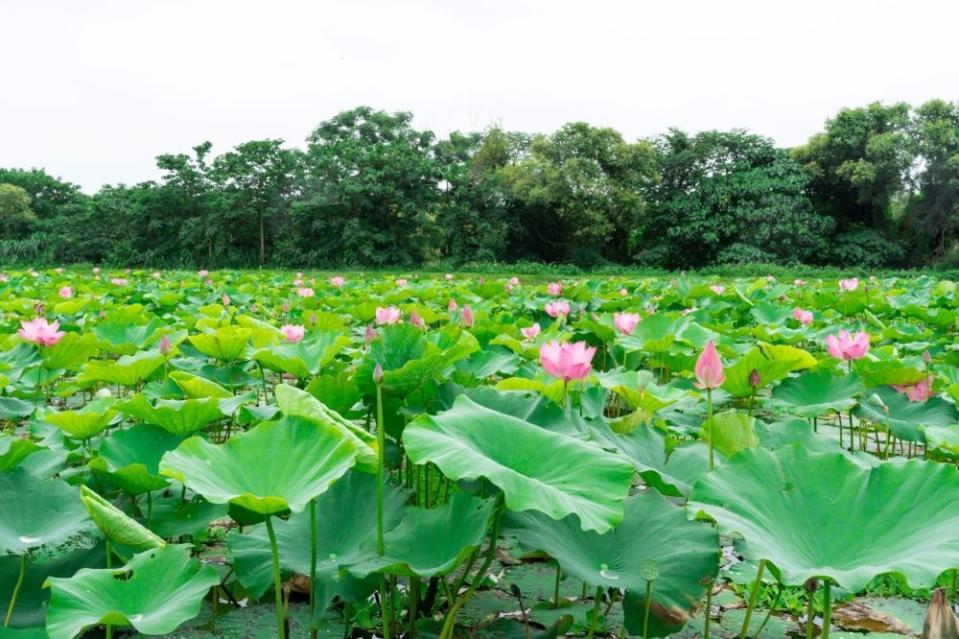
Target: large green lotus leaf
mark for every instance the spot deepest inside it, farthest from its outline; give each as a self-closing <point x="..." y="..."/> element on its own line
<point x="886" y="373"/>
<point x="126" y="339"/>
<point x="297" y="403"/>
<point x="128" y="370"/>
<point x="827" y="515"/>
<point x="19" y="358"/>
<point x="345" y="535"/>
<point x="84" y="423"/>
<point x="816" y="392"/>
<point x="14" y="450"/>
<point x="226" y="344"/>
<point x="905" y="418"/>
<point x="685" y="554"/>
<point x="197" y="387"/>
<point x="730" y="432"/>
<point x="410" y="358"/>
<point x="773" y="363"/>
<point x="130" y="458"/>
<point x="304" y="358"/>
<point x="655" y="334"/>
<point x="155" y="592"/>
<point x="179" y="417"/>
<point x="455" y="530"/>
<point x="38" y="512"/>
<point x="11" y="408"/>
<point x="116" y="525"/>
<point x="174" y="518"/>
<point x="536" y="469"/>
<point x="339" y="392"/>
<point x="71" y="352"/>
<point x="273" y="468"/>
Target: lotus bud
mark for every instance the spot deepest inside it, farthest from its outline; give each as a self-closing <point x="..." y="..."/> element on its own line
<point x="754" y="379"/>
<point x="104" y="392"/>
<point x="370" y="334"/>
<point x="926" y="357"/>
<point x="165" y="346"/>
<point x="378" y="374"/>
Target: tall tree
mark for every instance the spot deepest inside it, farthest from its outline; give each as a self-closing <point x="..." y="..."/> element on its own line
<point x="16" y="216"/>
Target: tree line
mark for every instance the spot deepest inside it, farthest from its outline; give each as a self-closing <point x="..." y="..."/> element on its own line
<point x="879" y="186"/>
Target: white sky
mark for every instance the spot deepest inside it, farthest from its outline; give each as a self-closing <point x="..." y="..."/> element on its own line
<point x="93" y="90"/>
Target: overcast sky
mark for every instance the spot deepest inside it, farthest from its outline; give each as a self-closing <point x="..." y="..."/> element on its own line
<point x="92" y="91"/>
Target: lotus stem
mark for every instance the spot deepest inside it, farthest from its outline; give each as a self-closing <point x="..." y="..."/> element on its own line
<point x="559" y="575"/>
<point x="597" y="600"/>
<point x="826" y="607"/>
<point x="753" y="596"/>
<point x="313" y="568"/>
<point x="709" y="420"/>
<point x="16" y="591"/>
<point x="381" y="446"/>
<point x="709" y="610"/>
<point x="810" y="622"/>
<point x="649" y="599"/>
<point x="277" y="582"/>
<point x="772" y="609"/>
<point x="414" y="597"/>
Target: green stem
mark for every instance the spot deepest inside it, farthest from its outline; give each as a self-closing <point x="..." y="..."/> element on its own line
<point x="313" y="628"/>
<point x="810" y="622"/>
<point x="649" y="599"/>
<point x="769" y="613"/>
<point x="559" y="575"/>
<point x="753" y="596"/>
<point x="16" y="591"/>
<point x="597" y="600"/>
<point x="709" y="420"/>
<point x="277" y="583"/>
<point x="380" y="486"/>
<point x="709" y="610"/>
<point x="826" y="607"/>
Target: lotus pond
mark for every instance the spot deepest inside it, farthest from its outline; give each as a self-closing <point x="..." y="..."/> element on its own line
<point x="262" y="454"/>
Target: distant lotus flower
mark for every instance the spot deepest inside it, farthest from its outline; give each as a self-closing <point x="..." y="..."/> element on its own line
<point x="96" y="270"/>
<point x="58" y="270"/>
<point x="623" y="292"/>
<point x="285" y="307"/>
<point x="293" y="332"/>
<point x="554" y="288"/>
<point x="34" y="274"/>
<point x="202" y="273"/>
<point x="449" y="277"/>
<point x="718" y="289"/>
<point x="918" y="392"/>
<point x="467" y="317"/>
<point x="66" y="292"/>
<point x="452" y="306"/>
<point x="208" y="282"/>
<point x="305" y="292"/>
<point x="530" y="332"/>
<point x="300" y="274"/>
<point x="709" y="368"/>
<point x="848" y="347"/>
<point x="514" y="281"/>
<point x="253" y="307"/>
<point x="798" y="282"/>
<point x="508" y="287"/>
<point x="755" y="380"/>
<point x="155" y="274"/>
<point x="337" y="281"/>
<point x="401" y="282"/>
<point x="119" y="281"/>
<point x="849" y="285"/>
<point x="165" y="345"/>
<point x="558" y="308"/>
<point x="370" y="334"/>
<point x="416" y="320"/>
<point x="927" y="357"/>
<point x="567" y="361"/>
<point x="770" y="278"/>
<point x="4" y="277"/>
<point x="103" y="392"/>
<point x="225" y="299"/>
<point x="40" y="332"/>
<point x="626" y="322"/>
<point x="297" y="282"/>
<point x="482" y="280"/>
<point x="803" y="317"/>
<point x="388" y="315"/>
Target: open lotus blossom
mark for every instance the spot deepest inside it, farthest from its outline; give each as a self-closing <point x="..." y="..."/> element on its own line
<point x="416" y="320"/>
<point x="59" y="270"/>
<point x="388" y="315"/>
<point x="514" y="281"/>
<point x="202" y="273"/>
<point x="850" y="284"/>
<point x="337" y="281"/>
<point x="554" y="288"/>
<point x="96" y="270"/>
<point x="467" y="317"/>
<point x="918" y="392"/>
<point x="298" y="282"/>
<point x="803" y="317"/>
<point x="718" y="289"/>
<point x="305" y="292"/>
<point x="293" y="332"/>
<point x="452" y="306"/>
<point x="65" y="292"/>
<point x="626" y="322"/>
<point x="623" y="292"/>
<point x="559" y="308"/>
<point x="119" y="281"/>
<point x="449" y="277"/>
<point x="567" y="361"/>
<point x="709" y="368"/>
<point x="530" y="332"/>
<point x="401" y="282"/>
<point x="40" y="332"/>
<point x="798" y="282"/>
<point x="848" y="347"/>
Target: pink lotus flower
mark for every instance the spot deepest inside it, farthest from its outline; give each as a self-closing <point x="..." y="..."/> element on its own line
<point x="623" y="292"/>
<point x="626" y="322"/>
<point x="305" y="292"/>
<point x="452" y="306"/>
<point x="208" y="282"/>
<point x="416" y="320"/>
<point x="709" y="368"/>
<point x="848" y="347"/>
<point x="201" y="273"/>
<point x="96" y="270"/>
<point x="370" y="334"/>
<point x="567" y="361"/>
<point x="156" y="274"/>
<point x="467" y="317"/>
<point x="508" y="287"/>
<point x="798" y="282"/>
<point x="554" y="288"/>
<point x="849" y="285"/>
<point x="40" y="332"/>
<point x="530" y="332"/>
<point x="297" y="282"/>
<point x="449" y="277"/>
<point x="293" y="332"/>
<point x="225" y="299"/>
<point x="66" y="292"/>
<point x="165" y="345"/>
<point x="388" y="315"/>
<point x="59" y="270"/>
<point x="400" y="282"/>
<point x="803" y="317"/>
<point x="514" y="281"/>
<point x="559" y="308"/>
<point x="718" y="289"/>
<point x="918" y="392"/>
<point x="119" y="281"/>
<point x="337" y="281"/>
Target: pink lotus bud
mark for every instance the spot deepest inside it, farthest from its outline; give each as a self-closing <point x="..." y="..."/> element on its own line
<point x="65" y="292"/>
<point x="370" y="334"/>
<point x="530" y="332"/>
<point x="377" y="374"/>
<point x="165" y="345"/>
<point x="467" y="317"/>
<point x="709" y="368"/>
<point x="452" y="306"/>
<point x="625" y="322"/>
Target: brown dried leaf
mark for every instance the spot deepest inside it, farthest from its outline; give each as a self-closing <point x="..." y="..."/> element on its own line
<point x="856" y="616"/>
<point x="941" y="622"/>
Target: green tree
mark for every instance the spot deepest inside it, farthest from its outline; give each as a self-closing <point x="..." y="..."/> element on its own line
<point x="16" y="216"/>
<point x="727" y="197"/>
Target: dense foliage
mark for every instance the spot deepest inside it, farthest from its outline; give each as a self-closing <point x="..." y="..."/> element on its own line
<point x="879" y="187"/>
